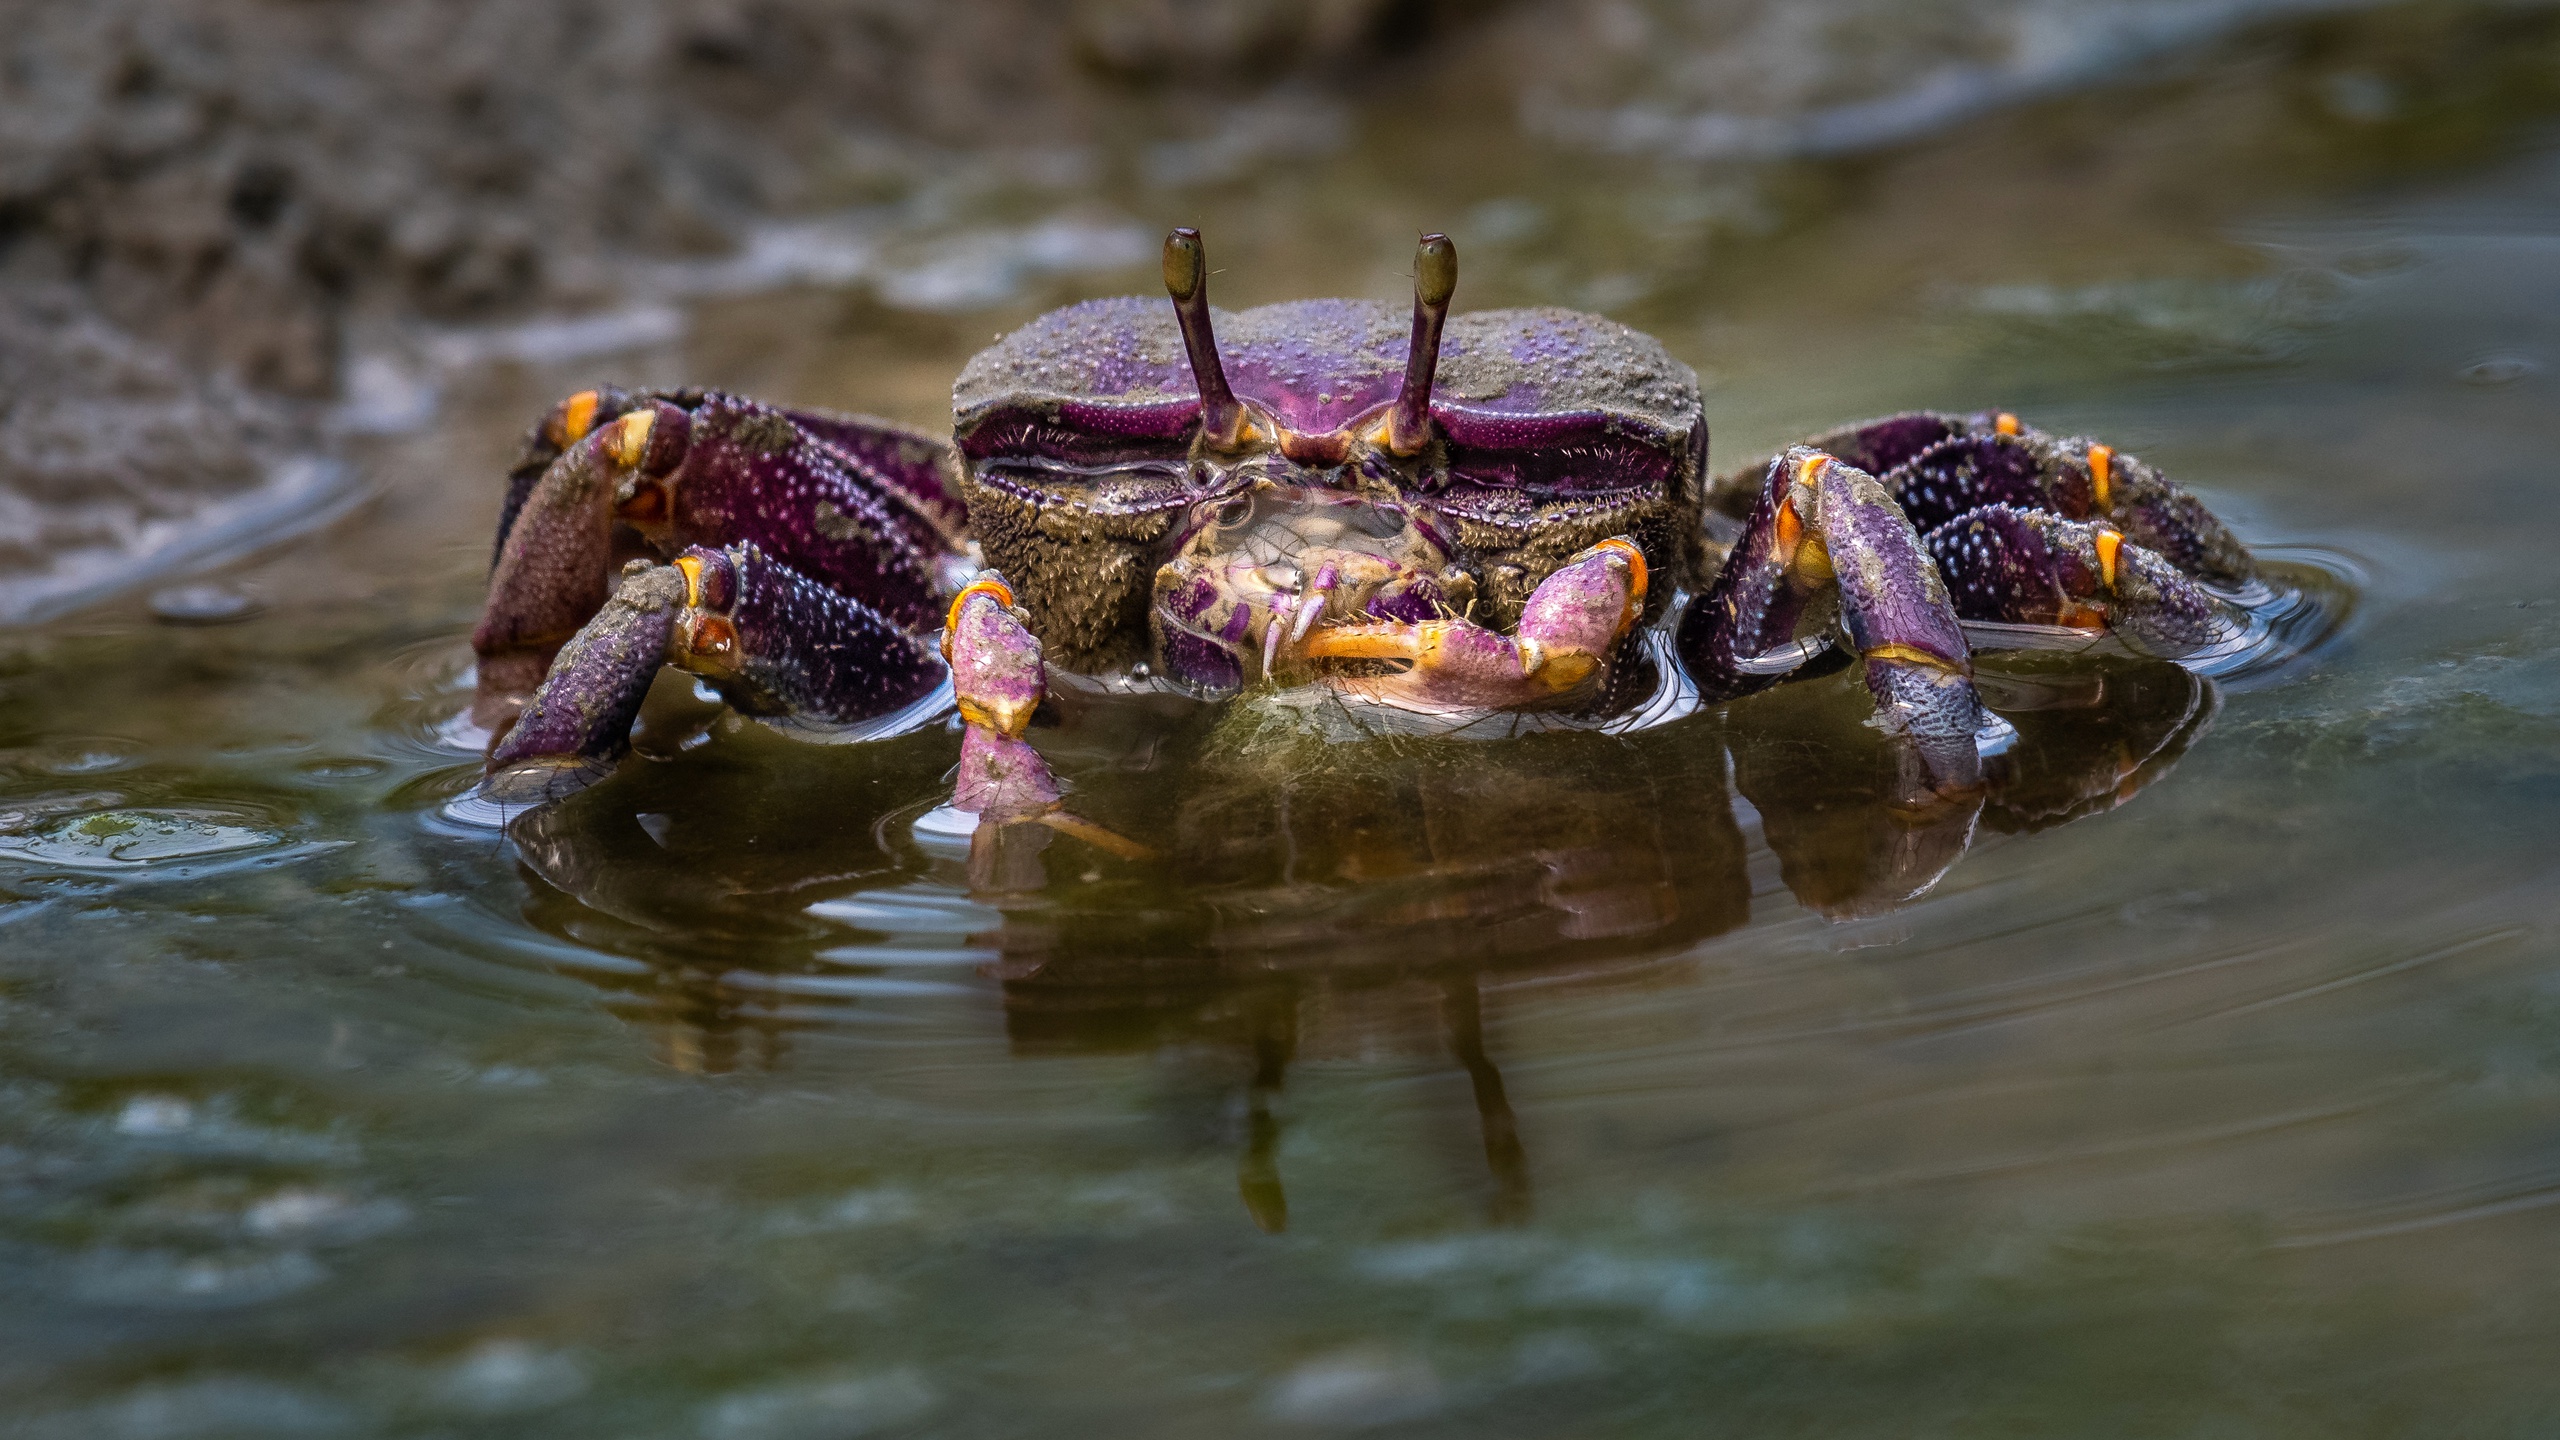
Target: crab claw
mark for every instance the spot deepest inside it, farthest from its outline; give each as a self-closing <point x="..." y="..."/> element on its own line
<point x="773" y="642"/>
<point x="1825" y="530"/>
<point x="996" y="675"/>
<point x="1002" y="779"/>
<point x="2024" y="567"/>
<point x="994" y="658"/>
<point x="1572" y="622"/>
<point x="554" y="566"/>
<point x="578" y="722"/>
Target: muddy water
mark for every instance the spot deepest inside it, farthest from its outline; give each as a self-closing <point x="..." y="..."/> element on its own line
<point x="2207" y="1081"/>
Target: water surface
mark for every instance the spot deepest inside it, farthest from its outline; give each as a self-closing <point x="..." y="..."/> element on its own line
<point x="2208" y="1081"/>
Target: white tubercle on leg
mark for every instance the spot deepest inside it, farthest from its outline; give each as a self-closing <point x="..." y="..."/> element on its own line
<point x="1271" y="637"/>
<point x="1311" y="605"/>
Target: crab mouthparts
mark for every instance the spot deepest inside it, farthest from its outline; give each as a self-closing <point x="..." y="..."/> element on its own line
<point x="1252" y="593"/>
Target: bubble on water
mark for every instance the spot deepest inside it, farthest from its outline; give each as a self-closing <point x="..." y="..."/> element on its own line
<point x="1356" y="1388"/>
<point x="460" y="734"/>
<point x="506" y="1377"/>
<point x="855" y="1209"/>
<point x="130" y="839"/>
<point x="822" y="1408"/>
<point x="214" y="1126"/>
<point x="1677" y="1290"/>
<point x="944" y="832"/>
<point x="468" y="812"/>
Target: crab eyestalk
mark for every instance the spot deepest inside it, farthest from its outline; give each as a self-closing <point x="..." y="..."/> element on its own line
<point x="1435" y="279"/>
<point x="1186" y="279"/>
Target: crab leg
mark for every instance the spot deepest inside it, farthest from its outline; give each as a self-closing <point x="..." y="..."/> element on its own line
<point x="744" y="471"/>
<point x="2027" y="567"/>
<point x="1822" y="529"/>
<point x="568" y="422"/>
<point x="772" y="641"/>
<point x="863" y="507"/>
<point x="1940" y="466"/>
<point x="555" y="564"/>
<point x="577" y="723"/>
<point x="1572" y="622"/>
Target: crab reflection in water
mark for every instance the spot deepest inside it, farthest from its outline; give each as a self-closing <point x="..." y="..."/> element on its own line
<point x="1309" y="893"/>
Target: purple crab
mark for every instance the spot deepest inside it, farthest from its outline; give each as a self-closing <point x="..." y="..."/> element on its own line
<point x="1440" y="516"/>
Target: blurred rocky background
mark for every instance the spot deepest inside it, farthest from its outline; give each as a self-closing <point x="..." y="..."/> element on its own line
<point x="233" y="232"/>
<point x="210" y="207"/>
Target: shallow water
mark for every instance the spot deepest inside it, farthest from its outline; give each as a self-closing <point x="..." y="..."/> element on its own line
<point x="2207" y="1081"/>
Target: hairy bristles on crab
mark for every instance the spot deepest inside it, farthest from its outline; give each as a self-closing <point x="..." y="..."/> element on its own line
<point x="1437" y="513"/>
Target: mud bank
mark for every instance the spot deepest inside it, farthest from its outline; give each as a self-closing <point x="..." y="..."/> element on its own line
<point x="208" y="206"/>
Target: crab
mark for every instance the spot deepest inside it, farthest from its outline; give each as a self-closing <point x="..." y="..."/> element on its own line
<point x="1422" y="515"/>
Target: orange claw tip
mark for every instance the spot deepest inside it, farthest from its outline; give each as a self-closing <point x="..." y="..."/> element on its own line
<point x="646" y="506"/>
<point x="690" y="566"/>
<point x="627" y="439"/>
<point x="1790" y="529"/>
<point x="1637" y="572"/>
<point x="2005" y="423"/>
<point x="2108" y="542"/>
<point x="1009" y="718"/>
<point x="572" y="419"/>
<point x="987" y="585"/>
<point x="2102" y="464"/>
<point x="1555" y="671"/>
